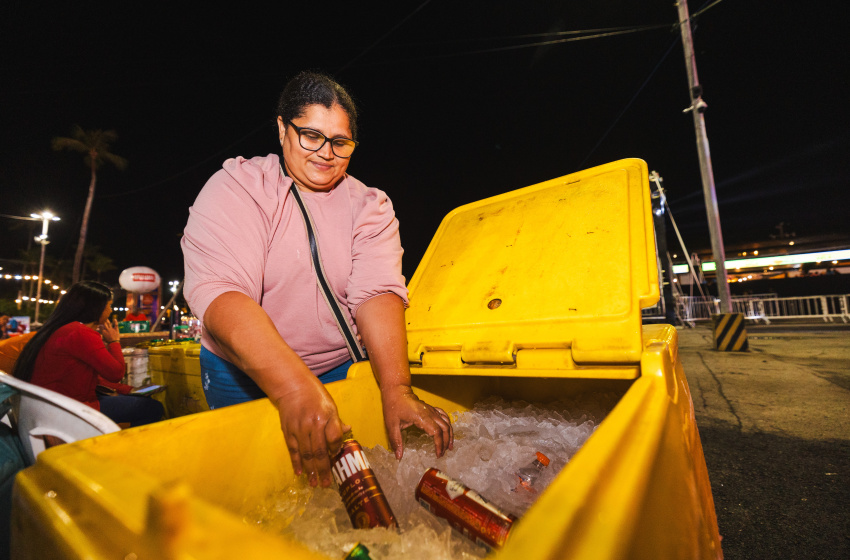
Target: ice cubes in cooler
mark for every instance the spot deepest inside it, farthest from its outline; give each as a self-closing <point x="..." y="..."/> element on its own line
<point x="492" y="441"/>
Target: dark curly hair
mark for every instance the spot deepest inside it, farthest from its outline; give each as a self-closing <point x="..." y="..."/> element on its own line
<point x="313" y="88"/>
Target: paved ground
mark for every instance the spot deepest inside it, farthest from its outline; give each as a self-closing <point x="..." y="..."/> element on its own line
<point x="776" y="433"/>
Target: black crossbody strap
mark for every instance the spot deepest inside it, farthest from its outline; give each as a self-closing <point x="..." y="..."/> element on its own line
<point x="357" y="353"/>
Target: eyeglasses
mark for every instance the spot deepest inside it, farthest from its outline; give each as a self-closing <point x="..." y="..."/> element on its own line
<point x="313" y="140"/>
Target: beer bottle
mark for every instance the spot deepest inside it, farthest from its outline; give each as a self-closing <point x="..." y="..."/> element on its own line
<point x="358" y="552"/>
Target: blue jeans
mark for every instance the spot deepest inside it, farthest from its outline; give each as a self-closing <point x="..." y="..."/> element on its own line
<point x="138" y="411"/>
<point x="225" y="384"/>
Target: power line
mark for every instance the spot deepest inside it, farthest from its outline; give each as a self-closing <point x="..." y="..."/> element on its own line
<point x="384" y="36"/>
<point x="536" y="43"/>
<point x="646" y="81"/>
<point x="592" y="34"/>
<point x="632" y="100"/>
<point x="705" y="9"/>
<point x="586" y="34"/>
<point x="514" y="37"/>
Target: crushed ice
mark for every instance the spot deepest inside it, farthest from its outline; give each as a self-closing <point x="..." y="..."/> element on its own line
<point x="492" y="441"/>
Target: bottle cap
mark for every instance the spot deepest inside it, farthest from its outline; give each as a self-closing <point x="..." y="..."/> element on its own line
<point x="543" y="459"/>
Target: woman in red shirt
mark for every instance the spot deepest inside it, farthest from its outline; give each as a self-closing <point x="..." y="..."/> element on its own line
<point x="78" y="349"/>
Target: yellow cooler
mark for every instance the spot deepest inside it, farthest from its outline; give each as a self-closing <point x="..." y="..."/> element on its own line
<point x="535" y="294"/>
<point x="178" y="367"/>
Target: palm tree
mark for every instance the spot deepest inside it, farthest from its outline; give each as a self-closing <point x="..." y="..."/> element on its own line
<point x="98" y="262"/>
<point x="59" y="271"/>
<point x="96" y="145"/>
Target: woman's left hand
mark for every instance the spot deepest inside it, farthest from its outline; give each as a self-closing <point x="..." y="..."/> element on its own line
<point x="403" y="409"/>
<point x="381" y="322"/>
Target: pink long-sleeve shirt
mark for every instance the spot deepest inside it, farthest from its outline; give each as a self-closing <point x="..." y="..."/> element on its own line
<point x="246" y="234"/>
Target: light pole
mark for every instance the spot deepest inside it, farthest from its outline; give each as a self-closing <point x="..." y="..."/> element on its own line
<point x="46" y="217"/>
<point x="176" y="286"/>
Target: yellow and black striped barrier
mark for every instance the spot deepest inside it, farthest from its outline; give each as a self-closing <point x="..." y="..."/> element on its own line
<point x="730" y="333"/>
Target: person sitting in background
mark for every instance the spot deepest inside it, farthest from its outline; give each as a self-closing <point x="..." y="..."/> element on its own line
<point x="11" y="348"/>
<point x="68" y="355"/>
<point x="135" y="315"/>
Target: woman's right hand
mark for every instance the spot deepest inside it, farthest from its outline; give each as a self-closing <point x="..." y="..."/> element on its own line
<point x="309" y="419"/>
<point x="312" y="430"/>
<point x="109" y="331"/>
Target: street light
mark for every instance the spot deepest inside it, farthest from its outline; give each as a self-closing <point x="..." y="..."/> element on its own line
<point x="46" y="217"/>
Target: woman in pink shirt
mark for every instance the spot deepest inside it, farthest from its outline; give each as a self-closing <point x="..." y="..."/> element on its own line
<point x="267" y="329"/>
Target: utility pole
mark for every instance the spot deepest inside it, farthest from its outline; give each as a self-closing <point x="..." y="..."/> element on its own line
<point x="698" y="107"/>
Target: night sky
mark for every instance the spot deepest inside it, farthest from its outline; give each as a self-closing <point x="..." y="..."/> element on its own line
<point x="455" y="107"/>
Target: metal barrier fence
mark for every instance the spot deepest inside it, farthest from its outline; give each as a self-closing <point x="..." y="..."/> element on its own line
<point x="690" y="309"/>
<point x="767" y="308"/>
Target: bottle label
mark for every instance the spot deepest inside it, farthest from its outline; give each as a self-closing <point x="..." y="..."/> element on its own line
<point x="350" y="464"/>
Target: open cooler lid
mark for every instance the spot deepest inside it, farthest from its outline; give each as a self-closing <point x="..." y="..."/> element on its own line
<point x="565" y="264"/>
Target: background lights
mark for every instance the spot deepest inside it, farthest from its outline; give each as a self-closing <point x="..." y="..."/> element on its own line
<point x="778" y="260"/>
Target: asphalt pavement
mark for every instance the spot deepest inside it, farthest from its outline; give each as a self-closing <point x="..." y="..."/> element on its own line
<point x="776" y="434"/>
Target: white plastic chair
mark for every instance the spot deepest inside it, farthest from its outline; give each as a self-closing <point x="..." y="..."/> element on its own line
<point x="37" y="412"/>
